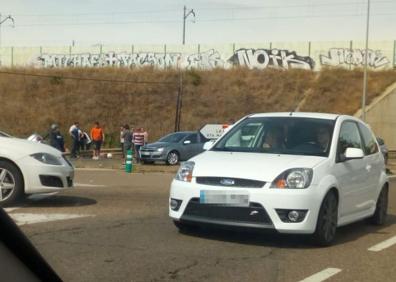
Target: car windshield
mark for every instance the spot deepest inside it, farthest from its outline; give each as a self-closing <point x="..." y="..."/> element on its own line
<point x="173" y="138"/>
<point x="279" y="135"/>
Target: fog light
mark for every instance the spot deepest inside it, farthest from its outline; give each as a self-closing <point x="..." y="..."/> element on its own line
<point x="293" y="216"/>
<point x="175" y="204"/>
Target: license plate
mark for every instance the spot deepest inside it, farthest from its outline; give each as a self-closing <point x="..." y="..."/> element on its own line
<point x="233" y="198"/>
<point x="145" y="153"/>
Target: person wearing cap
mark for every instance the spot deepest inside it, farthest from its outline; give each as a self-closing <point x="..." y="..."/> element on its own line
<point x="56" y="139"/>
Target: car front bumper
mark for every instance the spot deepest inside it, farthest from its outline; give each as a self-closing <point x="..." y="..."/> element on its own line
<point x="44" y="178"/>
<point x="153" y="156"/>
<point x="263" y="211"/>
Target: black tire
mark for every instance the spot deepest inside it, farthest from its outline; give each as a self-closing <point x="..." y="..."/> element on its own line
<point x="172" y="158"/>
<point x="326" y="225"/>
<point x="11" y="184"/>
<point x="381" y="209"/>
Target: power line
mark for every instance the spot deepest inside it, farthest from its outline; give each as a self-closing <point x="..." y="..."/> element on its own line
<point x="85" y="79"/>
<point x="205" y="20"/>
<point x="176" y="10"/>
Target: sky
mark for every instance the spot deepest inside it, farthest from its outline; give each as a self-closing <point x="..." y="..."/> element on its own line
<point x="92" y="22"/>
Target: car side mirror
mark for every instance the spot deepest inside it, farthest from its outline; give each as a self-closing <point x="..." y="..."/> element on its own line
<point x="353" y="154"/>
<point x="208" y="145"/>
<point x="185" y="142"/>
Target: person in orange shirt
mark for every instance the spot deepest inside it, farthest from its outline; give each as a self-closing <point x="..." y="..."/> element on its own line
<point x="97" y="137"/>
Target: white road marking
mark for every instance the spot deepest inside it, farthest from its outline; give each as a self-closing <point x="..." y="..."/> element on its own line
<point x="95" y="169"/>
<point x="8" y="210"/>
<point x="31" y="218"/>
<point x="383" y="245"/>
<point x="88" y="185"/>
<point x="322" y="275"/>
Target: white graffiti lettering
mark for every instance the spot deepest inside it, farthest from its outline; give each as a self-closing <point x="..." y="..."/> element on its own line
<point x="274" y="58"/>
<point x="206" y="60"/>
<point x="355" y="57"/>
<point x="160" y="60"/>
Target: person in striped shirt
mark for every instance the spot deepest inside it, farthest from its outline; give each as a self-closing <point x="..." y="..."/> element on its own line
<point x="139" y="139"/>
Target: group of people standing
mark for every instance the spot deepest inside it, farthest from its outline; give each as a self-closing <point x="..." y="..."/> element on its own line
<point x="132" y="139"/>
<point x="81" y="139"/>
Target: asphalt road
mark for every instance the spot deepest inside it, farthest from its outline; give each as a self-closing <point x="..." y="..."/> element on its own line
<point x="114" y="227"/>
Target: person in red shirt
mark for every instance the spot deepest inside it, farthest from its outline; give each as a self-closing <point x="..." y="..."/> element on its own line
<point x="97" y="137"/>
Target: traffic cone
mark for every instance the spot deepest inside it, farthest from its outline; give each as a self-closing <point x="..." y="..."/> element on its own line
<point x="128" y="162"/>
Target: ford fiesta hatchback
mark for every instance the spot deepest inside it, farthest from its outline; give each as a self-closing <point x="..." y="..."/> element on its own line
<point x="305" y="173"/>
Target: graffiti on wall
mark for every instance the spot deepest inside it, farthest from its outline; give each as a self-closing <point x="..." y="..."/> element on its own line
<point x="355" y="57"/>
<point x="205" y="60"/>
<point x="160" y="60"/>
<point x="275" y="58"/>
<point x="251" y="58"/>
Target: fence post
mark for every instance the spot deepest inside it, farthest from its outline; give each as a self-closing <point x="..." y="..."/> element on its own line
<point x="12" y="56"/>
<point x="309" y="48"/>
<point x="351" y="50"/>
<point x="164" y="56"/>
<point x="270" y="45"/>
<point x="394" y="53"/>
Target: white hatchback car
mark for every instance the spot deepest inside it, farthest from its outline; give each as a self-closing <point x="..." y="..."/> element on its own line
<point x="28" y="167"/>
<point x="305" y="173"/>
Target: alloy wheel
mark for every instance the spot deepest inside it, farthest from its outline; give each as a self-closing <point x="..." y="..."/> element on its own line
<point x="7" y="184"/>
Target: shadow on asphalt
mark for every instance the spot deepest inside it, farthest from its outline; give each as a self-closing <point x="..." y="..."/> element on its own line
<point x="55" y="201"/>
<point x="345" y="235"/>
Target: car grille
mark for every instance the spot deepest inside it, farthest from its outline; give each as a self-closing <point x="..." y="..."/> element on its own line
<point x="147" y="150"/>
<point x="254" y="213"/>
<point x="232" y="182"/>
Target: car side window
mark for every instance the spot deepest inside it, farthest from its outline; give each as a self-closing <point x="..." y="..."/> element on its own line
<point x="349" y="137"/>
<point x="370" y="146"/>
<point x="193" y="138"/>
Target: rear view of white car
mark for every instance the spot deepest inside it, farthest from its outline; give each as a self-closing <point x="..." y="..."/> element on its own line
<point x="28" y="167"/>
<point x="305" y="173"/>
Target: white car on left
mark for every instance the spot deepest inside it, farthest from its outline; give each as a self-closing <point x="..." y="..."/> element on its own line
<point x="28" y="167"/>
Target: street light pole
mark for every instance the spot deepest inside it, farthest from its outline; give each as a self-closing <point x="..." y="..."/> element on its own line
<point x="365" y="64"/>
<point x="185" y="16"/>
<point x="9" y="17"/>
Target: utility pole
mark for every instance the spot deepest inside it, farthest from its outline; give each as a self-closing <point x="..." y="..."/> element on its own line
<point x="9" y="17"/>
<point x="365" y="64"/>
<point x="185" y="16"/>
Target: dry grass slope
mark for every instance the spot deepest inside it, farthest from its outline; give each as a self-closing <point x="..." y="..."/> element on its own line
<point x="33" y="103"/>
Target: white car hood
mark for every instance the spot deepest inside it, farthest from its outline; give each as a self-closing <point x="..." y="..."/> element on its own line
<point x="256" y="166"/>
<point x="15" y="148"/>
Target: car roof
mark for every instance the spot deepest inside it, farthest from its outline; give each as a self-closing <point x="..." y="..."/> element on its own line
<point x="297" y="114"/>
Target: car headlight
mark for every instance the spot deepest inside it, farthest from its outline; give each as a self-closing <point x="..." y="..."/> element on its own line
<point x="160" y="149"/>
<point x="46" y="158"/>
<point x="295" y="178"/>
<point x="185" y="172"/>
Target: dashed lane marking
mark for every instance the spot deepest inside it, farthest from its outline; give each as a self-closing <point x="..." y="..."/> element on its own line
<point x="322" y="275"/>
<point x="31" y="218"/>
<point x="383" y="245"/>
